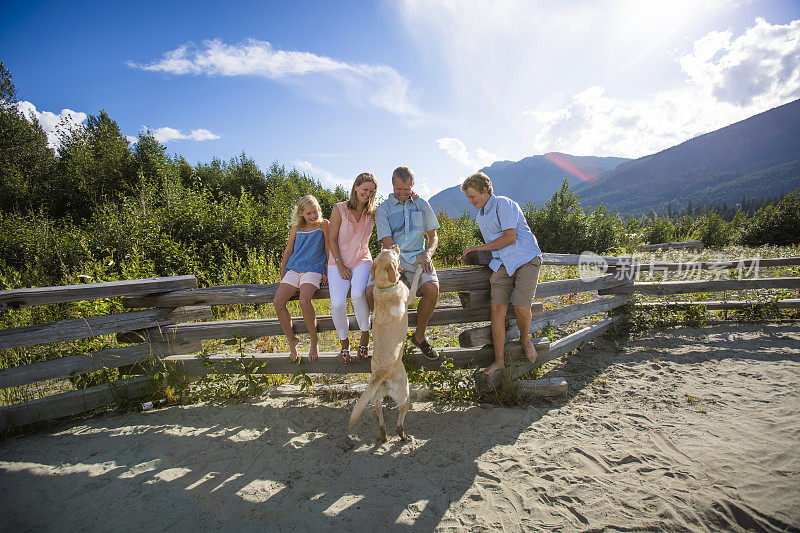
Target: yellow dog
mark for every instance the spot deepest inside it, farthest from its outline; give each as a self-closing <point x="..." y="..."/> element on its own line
<point x="389" y="327"/>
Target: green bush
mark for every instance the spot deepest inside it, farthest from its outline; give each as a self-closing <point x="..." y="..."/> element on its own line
<point x="713" y="231"/>
<point x="561" y="225"/>
<point x="657" y="229"/>
<point x="455" y="234"/>
<point x="777" y="223"/>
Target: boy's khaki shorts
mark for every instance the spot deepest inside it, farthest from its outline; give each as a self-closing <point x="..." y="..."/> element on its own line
<point x="518" y="289"/>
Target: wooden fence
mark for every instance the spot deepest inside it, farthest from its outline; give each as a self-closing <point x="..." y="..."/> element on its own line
<point x="169" y="319"/>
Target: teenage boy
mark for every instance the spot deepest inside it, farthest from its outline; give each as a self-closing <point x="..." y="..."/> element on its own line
<point x="516" y="259"/>
<point x="406" y="221"/>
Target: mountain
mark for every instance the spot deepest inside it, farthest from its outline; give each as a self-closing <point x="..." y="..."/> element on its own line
<point x="533" y="179"/>
<point x="757" y="157"/>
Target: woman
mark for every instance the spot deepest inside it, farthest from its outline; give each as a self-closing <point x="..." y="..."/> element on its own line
<point x="349" y="261"/>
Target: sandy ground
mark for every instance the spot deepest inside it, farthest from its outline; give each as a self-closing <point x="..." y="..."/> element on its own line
<point x="684" y="429"/>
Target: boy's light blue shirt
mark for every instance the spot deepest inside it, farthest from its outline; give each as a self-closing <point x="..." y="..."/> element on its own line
<point x="406" y="223"/>
<point x="499" y="214"/>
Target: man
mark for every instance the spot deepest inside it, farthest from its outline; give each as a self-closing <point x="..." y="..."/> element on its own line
<point x="516" y="259"/>
<point x="406" y="221"/>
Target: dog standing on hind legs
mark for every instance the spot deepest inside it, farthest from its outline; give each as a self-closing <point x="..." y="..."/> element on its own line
<point x="389" y="327"/>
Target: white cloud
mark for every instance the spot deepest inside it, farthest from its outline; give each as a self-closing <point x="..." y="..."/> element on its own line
<point x="376" y="85"/>
<point x="53" y="124"/>
<point x="326" y="178"/>
<point x="167" y="134"/>
<point x="456" y="149"/>
<point x="727" y="80"/>
<point x="131" y="139"/>
<point x="760" y="66"/>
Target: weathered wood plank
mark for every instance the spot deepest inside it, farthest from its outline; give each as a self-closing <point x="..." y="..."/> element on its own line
<point x="73" y="365"/>
<point x="791" y="303"/>
<point x="681" y="245"/>
<point x="549" y="289"/>
<point x="693" y="266"/>
<point x="545" y="387"/>
<point x="557" y="349"/>
<point x="484" y="258"/>
<point x="18" y="298"/>
<point x="74" y="402"/>
<point x="227" y="329"/>
<point x="554" y="317"/>
<point x="82" y="328"/>
<point x="715" y="285"/>
<point x="328" y="363"/>
<point x="581" y="337"/>
<point x="450" y="280"/>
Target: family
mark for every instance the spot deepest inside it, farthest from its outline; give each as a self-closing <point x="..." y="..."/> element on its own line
<point x="338" y="251"/>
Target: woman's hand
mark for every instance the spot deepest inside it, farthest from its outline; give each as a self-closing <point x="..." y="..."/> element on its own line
<point x="343" y="272"/>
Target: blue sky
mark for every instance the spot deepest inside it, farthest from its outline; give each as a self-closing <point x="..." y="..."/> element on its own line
<point x="339" y="88"/>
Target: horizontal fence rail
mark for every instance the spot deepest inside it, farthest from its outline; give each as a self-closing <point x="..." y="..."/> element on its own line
<point x="712" y="305"/>
<point x="83" y="328"/>
<point x="714" y="285"/>
<point x="18" y="298"/>
<point x="74" y="402"/>
<point x="691" y="266"/>
<point x="328" y="363"/>
<point x="74" y="365"/>
<point x="681" y="245"/>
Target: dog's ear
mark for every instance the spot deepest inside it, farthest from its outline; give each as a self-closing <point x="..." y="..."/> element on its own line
<point x="395" y="272"/>
<point x="396" y="249"/>
<point x="372" y="270"/>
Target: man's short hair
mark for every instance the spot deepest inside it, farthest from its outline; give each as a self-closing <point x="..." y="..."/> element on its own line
<point x="479" y="182"/>
<point x="404" y="174"/>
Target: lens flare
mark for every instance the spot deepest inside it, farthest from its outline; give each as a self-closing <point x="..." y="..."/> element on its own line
<point x="570" y="165"/>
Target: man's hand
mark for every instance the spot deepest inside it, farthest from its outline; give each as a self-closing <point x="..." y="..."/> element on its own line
<point x="424" y="259"/>
<point x="467" y="250"/>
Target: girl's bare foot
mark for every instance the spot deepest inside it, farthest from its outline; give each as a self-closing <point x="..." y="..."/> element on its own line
<point x="313" y="352"/>
<point x="493" y="368"/>
<point x="293" y="348"/>
<point x="530" y="351"/>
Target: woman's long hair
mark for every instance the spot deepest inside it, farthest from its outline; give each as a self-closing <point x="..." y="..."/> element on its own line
<point x="361" y="178"/>
<point x="296" y="219"/>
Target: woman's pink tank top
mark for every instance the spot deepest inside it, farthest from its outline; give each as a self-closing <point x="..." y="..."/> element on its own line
<point x="353" y="238"/>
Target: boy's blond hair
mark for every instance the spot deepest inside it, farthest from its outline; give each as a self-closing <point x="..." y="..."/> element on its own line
<point x="361" y="178"/>
<point x="478" y="181"/>
<point x="296" y="219"/>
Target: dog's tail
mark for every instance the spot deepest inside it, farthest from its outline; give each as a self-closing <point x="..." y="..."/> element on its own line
<point x="374" y="384"/>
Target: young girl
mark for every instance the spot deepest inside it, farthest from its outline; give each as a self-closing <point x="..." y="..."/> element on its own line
<point x="349" y="261"/>
<point x="303" y="268"/>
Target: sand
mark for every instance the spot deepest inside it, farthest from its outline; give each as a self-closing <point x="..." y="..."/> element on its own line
<point x="685" y="429"/>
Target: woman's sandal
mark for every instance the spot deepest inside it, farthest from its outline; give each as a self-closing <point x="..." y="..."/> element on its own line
<point x="344" y="357"/>
<point x="363" y="352"/>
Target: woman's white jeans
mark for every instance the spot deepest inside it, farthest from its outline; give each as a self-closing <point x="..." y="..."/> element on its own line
<point x="338" y="288"/>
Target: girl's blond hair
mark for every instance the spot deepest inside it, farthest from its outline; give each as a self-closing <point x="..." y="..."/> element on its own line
<point x="361" y="178"/>
<point x="296" y="219"/>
